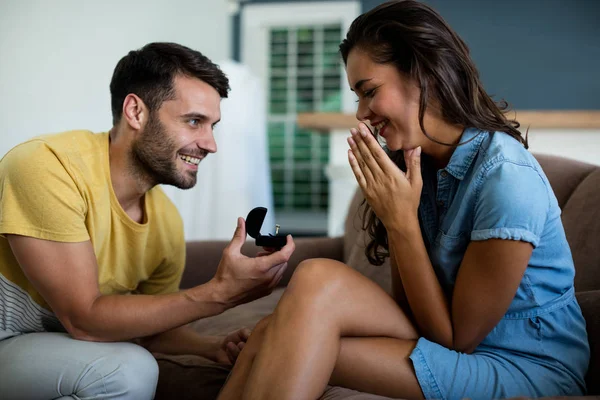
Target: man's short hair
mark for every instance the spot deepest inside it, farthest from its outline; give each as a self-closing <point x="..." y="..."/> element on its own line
<point x="150" y="71"/>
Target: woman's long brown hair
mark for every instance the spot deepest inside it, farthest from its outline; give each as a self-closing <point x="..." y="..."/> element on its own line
<point x="415" y="38"/>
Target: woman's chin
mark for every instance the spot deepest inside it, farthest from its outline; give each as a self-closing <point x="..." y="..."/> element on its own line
<point x="393" y="146"/>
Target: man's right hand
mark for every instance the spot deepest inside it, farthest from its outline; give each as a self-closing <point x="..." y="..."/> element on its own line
<point x="241" y="279"/>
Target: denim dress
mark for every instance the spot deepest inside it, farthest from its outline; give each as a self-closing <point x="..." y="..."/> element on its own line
<point x="494" y="188"/>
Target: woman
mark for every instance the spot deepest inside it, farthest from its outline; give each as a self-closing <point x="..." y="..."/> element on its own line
<point x="483" y="302"/>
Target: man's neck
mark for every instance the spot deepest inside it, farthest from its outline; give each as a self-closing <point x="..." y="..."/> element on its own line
<point x="129" y="186"/>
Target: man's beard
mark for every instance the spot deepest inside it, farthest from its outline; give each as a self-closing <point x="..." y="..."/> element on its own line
<point x="154" y="157"/>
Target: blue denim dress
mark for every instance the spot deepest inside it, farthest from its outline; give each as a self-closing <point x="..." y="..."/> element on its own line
<point x="494" y="188"/>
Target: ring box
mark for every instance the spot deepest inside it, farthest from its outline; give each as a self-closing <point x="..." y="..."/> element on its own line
<point x="254" y="222"/>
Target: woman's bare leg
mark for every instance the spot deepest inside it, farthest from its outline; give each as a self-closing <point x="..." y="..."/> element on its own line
<point x="377" y="365"/>
<point x="236" y="382"/>
<point x="324" y="302"/>
<point x="373" y="365"/>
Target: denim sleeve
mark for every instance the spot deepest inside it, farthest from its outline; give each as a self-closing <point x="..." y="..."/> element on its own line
<point x="513" y="203"/>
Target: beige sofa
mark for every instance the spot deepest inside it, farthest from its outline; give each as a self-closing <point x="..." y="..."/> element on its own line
<point x="577" y="187"/>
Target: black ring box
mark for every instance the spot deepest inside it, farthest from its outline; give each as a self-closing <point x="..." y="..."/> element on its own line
<point x="254" y="222"/>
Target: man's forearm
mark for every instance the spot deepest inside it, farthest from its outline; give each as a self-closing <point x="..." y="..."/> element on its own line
<point x="183" y="340"/>
<point x="123" y="317"/>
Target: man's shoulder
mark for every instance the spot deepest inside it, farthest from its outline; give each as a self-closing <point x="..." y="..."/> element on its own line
<point x="73" y="142"/>
<point x="58" y="144"/>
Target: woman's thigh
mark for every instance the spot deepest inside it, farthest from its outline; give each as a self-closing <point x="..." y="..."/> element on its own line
<point x="333" y="293"/>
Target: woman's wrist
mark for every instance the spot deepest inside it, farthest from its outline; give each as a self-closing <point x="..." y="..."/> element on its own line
<point x="406" y="228"/>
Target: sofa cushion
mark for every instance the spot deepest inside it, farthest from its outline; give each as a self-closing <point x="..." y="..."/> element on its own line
<point x="357" y="259"/>
<point x="245" y="315"/>
<point x="189" y="378"/>
<point x="577" y="189"/>
<point x="564" y="175"/>
<point x="353" y="224"/>
<point x="581" y="219"/>
<point x="355" y="242"/>
<point x="590" y="307"/>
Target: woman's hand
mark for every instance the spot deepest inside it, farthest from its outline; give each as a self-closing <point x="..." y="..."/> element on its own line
<point x="393" y="195"/>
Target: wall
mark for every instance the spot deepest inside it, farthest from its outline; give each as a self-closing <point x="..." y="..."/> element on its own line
<point x="537" y="54"/>
<point x="57" y="58"/>
<point x="236" y="39"/>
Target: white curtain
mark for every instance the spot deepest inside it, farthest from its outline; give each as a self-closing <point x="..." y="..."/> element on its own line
<point x="237" y="178"/>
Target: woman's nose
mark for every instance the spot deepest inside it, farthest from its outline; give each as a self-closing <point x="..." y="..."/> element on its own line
<point x="362" y="112"/>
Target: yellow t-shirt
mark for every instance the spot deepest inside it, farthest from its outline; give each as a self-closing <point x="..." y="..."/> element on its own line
<point x="58" y="187"/>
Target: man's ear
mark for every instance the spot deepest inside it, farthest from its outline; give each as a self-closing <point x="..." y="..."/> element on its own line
<point x="135" y="111"/>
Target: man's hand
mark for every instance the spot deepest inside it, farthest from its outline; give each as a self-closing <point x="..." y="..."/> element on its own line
<point x="231" y="346"/>
<point x="240" y="279"/>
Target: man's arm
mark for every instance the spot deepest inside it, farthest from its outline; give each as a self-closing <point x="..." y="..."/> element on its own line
<point x="184" y="340"/>
<point x="66" y="275"/>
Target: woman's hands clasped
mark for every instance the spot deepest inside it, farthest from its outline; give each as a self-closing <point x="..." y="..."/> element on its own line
<point x="393" y="195"/>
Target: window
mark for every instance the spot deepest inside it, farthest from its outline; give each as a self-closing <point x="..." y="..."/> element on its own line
<point x="293" y="47"/>
<point x="304" y="76"/>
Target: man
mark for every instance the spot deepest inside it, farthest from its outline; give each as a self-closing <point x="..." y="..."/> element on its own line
<point x="84" y="224"/>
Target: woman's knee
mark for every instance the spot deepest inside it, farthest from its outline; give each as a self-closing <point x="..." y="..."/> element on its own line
<point x="318" y="274"/>
<point x="316" y="283"/>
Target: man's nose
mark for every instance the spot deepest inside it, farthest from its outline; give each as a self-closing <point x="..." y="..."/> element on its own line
<point x="208" y="143"/>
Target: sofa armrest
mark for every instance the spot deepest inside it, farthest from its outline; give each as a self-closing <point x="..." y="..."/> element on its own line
<point x="202" y="257"/>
